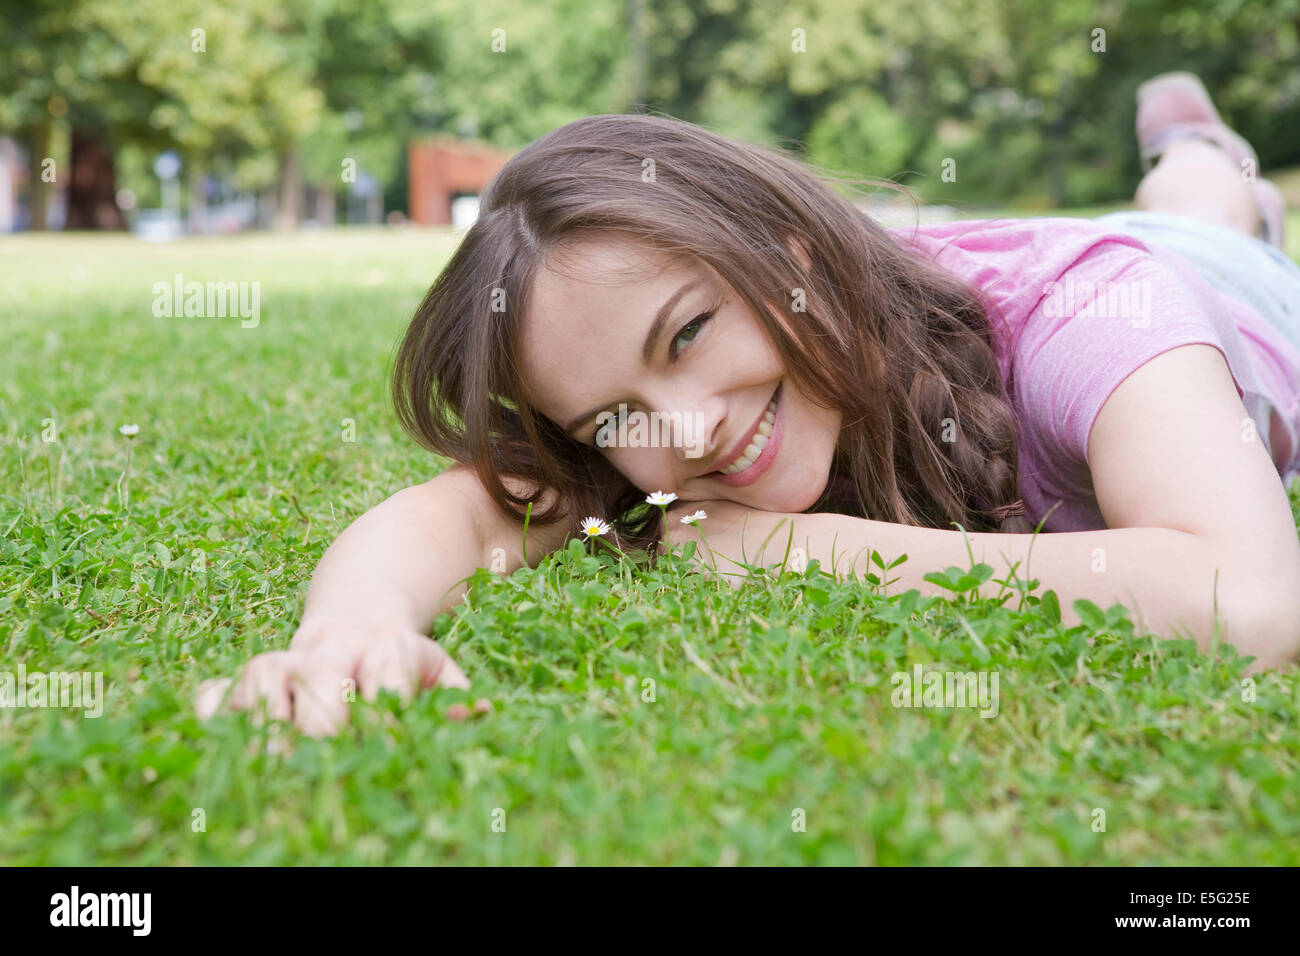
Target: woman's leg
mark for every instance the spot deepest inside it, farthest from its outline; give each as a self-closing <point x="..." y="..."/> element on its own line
<point x="1197" y="179"/>
<point x="1203" y="165"/>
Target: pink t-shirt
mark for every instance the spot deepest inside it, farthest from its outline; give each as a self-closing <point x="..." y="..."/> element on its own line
<point x="1083" y="308"/>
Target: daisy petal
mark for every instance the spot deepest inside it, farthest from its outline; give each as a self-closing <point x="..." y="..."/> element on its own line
<point x="594" y="527"/>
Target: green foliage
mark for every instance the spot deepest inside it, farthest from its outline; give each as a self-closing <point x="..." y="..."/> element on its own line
<point x="764" y="701"/>
<point x="860" y="132"/>
<point x="1046" y="114"/>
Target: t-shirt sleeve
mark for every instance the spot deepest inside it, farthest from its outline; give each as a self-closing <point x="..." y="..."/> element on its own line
<point x="1115" y="308"/>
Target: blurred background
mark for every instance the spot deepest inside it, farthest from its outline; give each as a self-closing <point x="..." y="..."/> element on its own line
<point x="173" y="117"/>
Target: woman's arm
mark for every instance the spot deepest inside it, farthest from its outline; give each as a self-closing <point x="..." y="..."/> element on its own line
<point x="1166" y="577"/>
<point x="374" y="596"/>
<point x="1188" y="493"/>
<point x="404" y="562"/>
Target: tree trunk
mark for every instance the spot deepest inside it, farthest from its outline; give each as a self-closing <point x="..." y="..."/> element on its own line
<point x="40" y="191"/>
<point x="92" y="185"/>
<point x="289" y="215"/>
<point x="197" y="202"/>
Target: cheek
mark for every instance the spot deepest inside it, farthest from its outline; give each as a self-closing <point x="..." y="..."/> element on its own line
<point x="819" y="433"/>
<point x="752" y="351"/>
<point x="650" y="469"/>
<point x="742" y="349"/>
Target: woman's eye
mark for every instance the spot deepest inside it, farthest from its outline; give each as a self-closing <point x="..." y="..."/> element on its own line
<point x="688" y="332"/>
<point x="685" y="334"/>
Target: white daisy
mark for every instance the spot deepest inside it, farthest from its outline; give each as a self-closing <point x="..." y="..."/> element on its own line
<point x="661" y="499"/>
<point x="691" y="519"/>
<point x="594" y="527"/>
<point x="130" y="431"/>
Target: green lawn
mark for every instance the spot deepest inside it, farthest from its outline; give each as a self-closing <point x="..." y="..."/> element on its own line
<point x="642" y="717"/>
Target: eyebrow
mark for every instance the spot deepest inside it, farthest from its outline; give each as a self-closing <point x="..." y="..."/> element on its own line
<point x="652" y="337"/>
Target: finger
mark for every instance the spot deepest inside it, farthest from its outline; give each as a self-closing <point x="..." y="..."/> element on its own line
<point x="439" y="670"/>
<point x="445" y="673"/>
<point x="210" y="694"/>
<point x="393" y="665"/>
<point x="460" y="711"/>
<point x="263" y="687"/>
<point x="321" y="684"/>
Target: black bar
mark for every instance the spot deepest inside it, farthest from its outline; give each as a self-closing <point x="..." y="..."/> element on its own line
<point x="239" y="905"/>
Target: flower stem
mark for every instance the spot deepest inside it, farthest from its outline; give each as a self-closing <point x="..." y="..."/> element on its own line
<point x="125" y="480"/>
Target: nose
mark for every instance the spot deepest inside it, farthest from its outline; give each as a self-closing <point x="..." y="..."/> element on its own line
<point x="695" y="425"/>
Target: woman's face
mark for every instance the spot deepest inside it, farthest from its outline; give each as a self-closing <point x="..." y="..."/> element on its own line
<point x="692" y="367"/>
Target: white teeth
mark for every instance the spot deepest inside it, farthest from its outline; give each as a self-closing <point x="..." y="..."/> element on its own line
<point x="756" y="444"/>
<point x="741" y="464"/>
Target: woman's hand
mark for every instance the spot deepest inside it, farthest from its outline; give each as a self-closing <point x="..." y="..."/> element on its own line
<point x="328" y="665"/>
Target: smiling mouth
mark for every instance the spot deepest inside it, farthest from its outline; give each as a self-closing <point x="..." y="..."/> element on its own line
<point x="762" y="434"/>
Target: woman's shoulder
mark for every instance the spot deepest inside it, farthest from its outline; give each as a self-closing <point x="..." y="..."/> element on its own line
<point x="1027" y="267"/>
<point x="1042" y="239"/>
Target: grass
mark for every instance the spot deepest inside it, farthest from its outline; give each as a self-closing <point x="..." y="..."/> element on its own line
<point x="642" y="717"/>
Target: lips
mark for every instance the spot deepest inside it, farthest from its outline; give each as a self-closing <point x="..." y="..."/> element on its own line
<point x="754" y="447"/>
<point x="749" y="460"/>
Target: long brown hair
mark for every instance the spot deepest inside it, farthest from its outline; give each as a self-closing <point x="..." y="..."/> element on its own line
<point x="901" y="346"/>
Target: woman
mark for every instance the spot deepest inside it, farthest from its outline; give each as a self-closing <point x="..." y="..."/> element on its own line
<point x="1131" y="384"/>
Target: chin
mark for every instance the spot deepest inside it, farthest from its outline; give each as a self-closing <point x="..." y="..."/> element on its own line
<point x="795" y="498"/>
